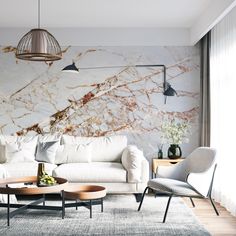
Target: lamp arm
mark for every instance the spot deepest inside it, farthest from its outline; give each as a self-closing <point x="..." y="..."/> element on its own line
<point x="165" y="84"/>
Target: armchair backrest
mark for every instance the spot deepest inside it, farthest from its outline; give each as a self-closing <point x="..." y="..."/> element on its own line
<point x="200" y="160"/>
<point x="200" y="165"/>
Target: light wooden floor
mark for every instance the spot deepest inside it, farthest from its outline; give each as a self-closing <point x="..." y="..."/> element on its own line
<point x="223" y="225"/>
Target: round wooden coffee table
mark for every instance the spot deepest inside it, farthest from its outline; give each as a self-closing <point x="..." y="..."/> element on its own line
<point x="93" y="194"/>
<point x="30" y="188"/>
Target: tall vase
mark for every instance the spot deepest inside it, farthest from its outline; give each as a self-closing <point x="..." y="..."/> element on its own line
<point x="174" y="151"/>
<point x="40" y="172"/>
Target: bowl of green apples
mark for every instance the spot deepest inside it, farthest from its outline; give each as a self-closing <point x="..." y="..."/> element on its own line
<point x="46" y="180"/>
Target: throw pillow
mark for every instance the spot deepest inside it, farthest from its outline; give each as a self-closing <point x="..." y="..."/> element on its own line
<point x="19" y="152"/>
<point x="46" y="151"/>
<point x="3" y="140"/>
<point x="132" y="160"/>
<point x="19" y="149"/>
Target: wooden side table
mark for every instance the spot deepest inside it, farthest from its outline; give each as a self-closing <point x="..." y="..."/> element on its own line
<point x="163" y="162"/>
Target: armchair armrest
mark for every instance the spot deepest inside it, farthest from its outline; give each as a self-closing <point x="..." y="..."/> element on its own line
<point x="136" y="165"/>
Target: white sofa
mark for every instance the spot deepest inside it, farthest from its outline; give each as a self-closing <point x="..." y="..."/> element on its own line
<point x="106" y="161"/>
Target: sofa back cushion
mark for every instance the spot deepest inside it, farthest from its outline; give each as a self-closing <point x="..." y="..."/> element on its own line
<point x="17" y="149"/>
<point x="3" y="140"/>
<point x="103" y="149"/>
<point x="73" y="153"/>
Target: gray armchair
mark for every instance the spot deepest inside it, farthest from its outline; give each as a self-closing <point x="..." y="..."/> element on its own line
<point x="192" y="178"/>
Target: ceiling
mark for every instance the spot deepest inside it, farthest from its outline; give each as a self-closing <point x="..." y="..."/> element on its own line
<point x="114" y="22"/>
<point x="102" y="13"/>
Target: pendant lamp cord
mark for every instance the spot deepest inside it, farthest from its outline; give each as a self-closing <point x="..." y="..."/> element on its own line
<point x="38" y="13"/>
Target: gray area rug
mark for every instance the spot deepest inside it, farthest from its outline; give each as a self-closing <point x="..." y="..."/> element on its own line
<point x="120" y="217"/>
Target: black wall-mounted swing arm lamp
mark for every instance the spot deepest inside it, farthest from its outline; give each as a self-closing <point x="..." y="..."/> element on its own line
<point x="167" y="89"/>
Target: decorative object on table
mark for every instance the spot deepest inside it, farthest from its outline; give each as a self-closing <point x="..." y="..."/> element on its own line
<point x="175" y="132"/>
<point x="38" y="45"/>
<point x="160" y="152"/>
<point x="43" y="179"/>
<point x="46" y="180"/>
<point x="174" y="151"/>
<point x="41" y="169"/>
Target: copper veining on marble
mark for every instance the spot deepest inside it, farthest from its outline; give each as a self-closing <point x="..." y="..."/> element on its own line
<point x="41" y="99"/>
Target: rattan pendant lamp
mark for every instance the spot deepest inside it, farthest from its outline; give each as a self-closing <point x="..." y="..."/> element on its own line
<point x="38" y="45"/>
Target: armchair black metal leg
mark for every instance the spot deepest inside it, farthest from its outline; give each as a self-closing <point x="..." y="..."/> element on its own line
<point x="192" y="202"/>
<point x="212" y="203"/>
<point x="140" y="205"/>
<point x="167" y="207"/>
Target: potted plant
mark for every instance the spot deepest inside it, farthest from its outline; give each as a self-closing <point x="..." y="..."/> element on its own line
<point x="175" y="132"/>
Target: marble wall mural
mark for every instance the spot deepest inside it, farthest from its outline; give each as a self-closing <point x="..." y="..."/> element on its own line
<point x="39" y="98"/>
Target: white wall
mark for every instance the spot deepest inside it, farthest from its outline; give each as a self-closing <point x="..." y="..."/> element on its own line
<point x="128" y="100"/>
<point x="106" y="36"/>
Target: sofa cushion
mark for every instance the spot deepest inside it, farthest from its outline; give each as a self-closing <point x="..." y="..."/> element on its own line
<point x="18" y="149"/>
<point x="104" y="149"/>
<point x="46" y="151"/>
<point x="19" y="152"/>
<point x="92" y="172"/>
<point x="73" y="153"/>
<point x="26" y="169"/>
<point x="49" y="137"/>
<point x="3" y="140"/>
<point x="78" y="153"/>
<point x="131" y="159"/>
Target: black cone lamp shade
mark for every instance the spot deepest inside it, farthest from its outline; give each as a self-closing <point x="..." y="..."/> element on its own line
<point x="71" y="68"/>
<point x="170" y="91"/>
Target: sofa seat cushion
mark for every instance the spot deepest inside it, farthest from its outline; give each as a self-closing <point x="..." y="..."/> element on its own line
<point x="106" y="172"/>
<point x="26" y="169"/>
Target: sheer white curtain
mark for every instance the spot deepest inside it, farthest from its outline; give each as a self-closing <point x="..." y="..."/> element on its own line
<point x="223" y="109"/>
